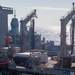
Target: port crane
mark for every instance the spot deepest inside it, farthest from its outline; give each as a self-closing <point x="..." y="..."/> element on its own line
<point x="63" y="48"/>
<point x="64" y="22"/>
<point x="23" y="24"/>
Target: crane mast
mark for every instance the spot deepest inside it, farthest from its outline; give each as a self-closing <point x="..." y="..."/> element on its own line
<point x="32" y="35"/>
<point x="23" y="23"/>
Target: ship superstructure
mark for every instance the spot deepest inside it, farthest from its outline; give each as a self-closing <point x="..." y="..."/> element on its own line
<point x="4" y="11"/>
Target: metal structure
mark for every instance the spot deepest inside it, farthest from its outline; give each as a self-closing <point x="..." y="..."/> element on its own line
<point x="4" y="11"/>
<point x="32" y="34"/>
<point x="43" y="43"/>
<point x="72" y="34"/>
<point x="64" y="22"/>
<point x="23" y="26"/>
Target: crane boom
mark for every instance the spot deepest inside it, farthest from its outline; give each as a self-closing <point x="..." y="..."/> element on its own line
<point x="28" y="18"/>
<point x="68" y="17"/>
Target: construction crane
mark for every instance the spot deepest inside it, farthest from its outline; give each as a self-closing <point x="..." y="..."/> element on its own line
<point x="23" y="23"/>
<point x="64" y="22"/>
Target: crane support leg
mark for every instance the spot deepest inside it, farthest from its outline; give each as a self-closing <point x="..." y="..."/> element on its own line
<point x="72" y="40"/>
<point x="72" y="37"/>
<point x="63" y="51"/>
<point x="32" y="34"/>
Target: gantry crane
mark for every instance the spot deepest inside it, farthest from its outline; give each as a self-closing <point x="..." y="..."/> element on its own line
<point x="64" y="22"/>
<point x="65" y="59"/>
<point x="23" y="23"/>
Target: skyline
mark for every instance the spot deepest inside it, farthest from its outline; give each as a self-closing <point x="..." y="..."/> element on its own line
<point x="49" y="12"/>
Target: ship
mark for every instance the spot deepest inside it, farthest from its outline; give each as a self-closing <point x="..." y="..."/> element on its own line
<point x="36" y="61"/>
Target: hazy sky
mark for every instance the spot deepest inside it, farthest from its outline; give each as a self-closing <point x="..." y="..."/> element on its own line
<point x="49" y="12"/>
